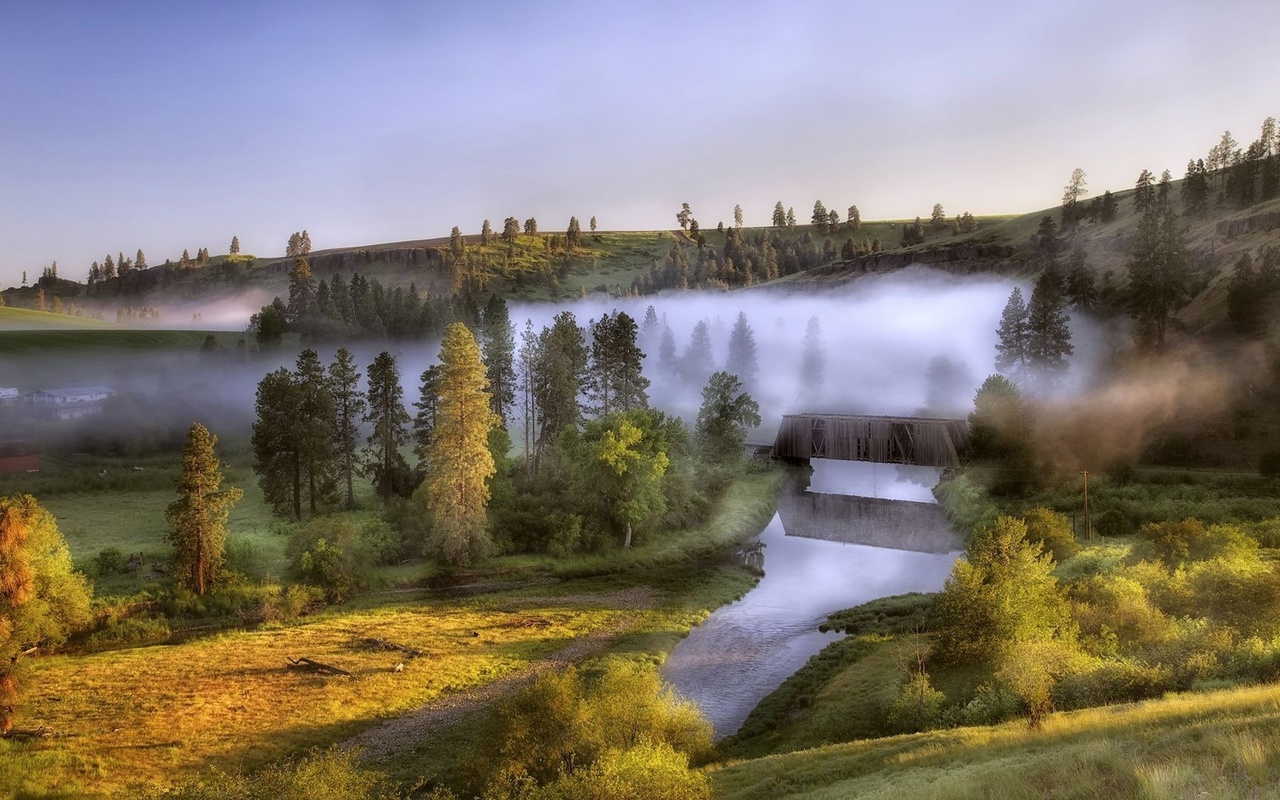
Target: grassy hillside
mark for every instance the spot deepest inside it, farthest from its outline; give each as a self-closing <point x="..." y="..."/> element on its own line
<point x="21" y="319"/>
<point x="1222" y="744"/>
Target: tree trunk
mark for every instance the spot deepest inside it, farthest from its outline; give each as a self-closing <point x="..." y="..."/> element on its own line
<point x="627" y="541"/>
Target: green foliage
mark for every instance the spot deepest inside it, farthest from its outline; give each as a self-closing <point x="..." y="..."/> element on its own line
<point x="1000" y="433"/>
<point x="198" y="517"/>
<point x="918" y="706"/>
<point x="726" y="415"/>
<point x="570" y="732"/>
<point x="1269" y="464"/>
<point x="320" y="775"/>
<point x="1052" y="531"/>
<point x="1113" y="522"/>
<point x="966" y="503"/>
<point x="338" y="555"/>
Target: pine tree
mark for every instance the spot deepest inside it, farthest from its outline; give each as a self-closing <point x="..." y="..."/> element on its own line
<point x="1158" y="274"/>
<point x="531" y="226"/>
<point x="1072" y="193"/>
<point x="198" y="517"/>
<point x="593" y="224"/>
<point x="304" y="244"/>
<point x="573" y="233"/>
<point x="276" y="444"/>
<point x="486" y="233"/>
<point x="854" y="218"/>
<point x="1110" y="207"/>
<point x="1081" y="288"/>
<point x="424" y="422"/>
<point x="779" y="215"/>
<point x="389" y="420"/>
<point x="302" y="292"/>
<point x="235" y="246"/>
<point x="40" y="306"/>
<point x="1048" y="330"/>
<point x="1012" y="356"/>
<point x="938" y="217"/>
<point x="1143" y="193"/>
<point x="316" y="430"/>
<point x="698" y="362"/>
<point x="559" y="378"/>
<point x="348" y="408"/>
<point x="294" y="248"/>
<point x="459" y="463"/>
<point x="510" y="229"/>
<point x="615" y="379"/>
<point x="791" y="217"/>
<point x="140" y="260"/>
<point x="819" y="217"/>
<point x="741" y="361"/>
<point x="737" y="216"/>
<point x="498" y="345"/>
<point x="667" y="351"/>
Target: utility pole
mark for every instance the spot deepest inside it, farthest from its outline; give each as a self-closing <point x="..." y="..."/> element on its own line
<point x="1088" y="533"/>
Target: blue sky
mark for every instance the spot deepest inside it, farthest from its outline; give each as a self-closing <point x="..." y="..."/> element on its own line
<point x="162" y="125"/>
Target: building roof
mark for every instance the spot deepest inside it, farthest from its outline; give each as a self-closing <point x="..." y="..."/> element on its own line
<point x="76" y="391"/>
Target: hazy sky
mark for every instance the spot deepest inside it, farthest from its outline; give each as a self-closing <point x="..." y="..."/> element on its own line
<point x="165" y="125"/>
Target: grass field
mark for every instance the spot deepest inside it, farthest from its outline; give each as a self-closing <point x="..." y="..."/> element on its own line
<point x="1223" y="744"/>
<point x="16" y="319"/>
<point x="149" y="714"/>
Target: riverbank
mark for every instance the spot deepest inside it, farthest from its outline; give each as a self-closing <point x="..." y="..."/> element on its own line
<point x="145" y="716"/>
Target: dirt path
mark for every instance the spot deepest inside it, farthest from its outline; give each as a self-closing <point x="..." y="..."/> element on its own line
<point x="401" y="735"/>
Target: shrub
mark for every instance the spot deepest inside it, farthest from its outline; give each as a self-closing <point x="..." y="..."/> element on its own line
<point x="338" y="556"/>
<point x="1053" y="531"/>
<point x="918" y="706"/>
<point x="321" y="775"/>
<point x="1112" y="682"/>
<point x="992" y="703"/>
<point x="1113" y="522"/>
<point x="110" y="561"/>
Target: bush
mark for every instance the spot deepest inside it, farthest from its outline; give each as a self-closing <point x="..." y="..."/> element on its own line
<point x="1113" y="522"/>
<point x="992" y="704"/>
<point x="321" y="775"/>
<point x="918" y="706"/>
<point x="110" y="561"/>
<point x="1053" y="531"/>
<point x="127" y="630"/>
<point x="338" y="556"/>
<point x="1112" y="682"/>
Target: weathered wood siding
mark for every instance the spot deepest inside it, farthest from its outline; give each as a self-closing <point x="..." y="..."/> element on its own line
<point x="883" y="440"/>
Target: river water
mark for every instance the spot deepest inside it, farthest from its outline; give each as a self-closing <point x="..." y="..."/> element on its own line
<point x="845" y="534"/>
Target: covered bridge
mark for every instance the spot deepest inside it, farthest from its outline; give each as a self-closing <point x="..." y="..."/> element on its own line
<point x="923" y="441"/>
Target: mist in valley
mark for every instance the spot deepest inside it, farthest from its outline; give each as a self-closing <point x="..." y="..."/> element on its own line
<point x="878" y="345"/>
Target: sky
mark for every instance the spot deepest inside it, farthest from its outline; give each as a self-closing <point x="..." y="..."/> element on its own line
<point x="164" y="126"/>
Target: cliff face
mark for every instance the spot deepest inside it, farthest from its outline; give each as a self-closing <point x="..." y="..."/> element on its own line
<point x="1258" y="223"/>
<point x="962" y="259"/>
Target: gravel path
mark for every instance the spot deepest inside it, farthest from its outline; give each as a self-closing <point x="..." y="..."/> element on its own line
<point x="400" y="736"/>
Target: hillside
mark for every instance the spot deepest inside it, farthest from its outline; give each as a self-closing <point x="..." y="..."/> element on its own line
<point x="23" y="319"/>
<point x="1220" y="744"/>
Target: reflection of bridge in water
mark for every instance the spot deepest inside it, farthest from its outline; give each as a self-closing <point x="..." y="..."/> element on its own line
<point x="895" y="524"/>
<point x="922" y="441"/>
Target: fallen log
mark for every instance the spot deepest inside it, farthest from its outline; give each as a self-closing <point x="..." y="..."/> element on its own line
<point x="376" y="643"/>
<point x="308" y="665"/>
<point x="28" y="733"/>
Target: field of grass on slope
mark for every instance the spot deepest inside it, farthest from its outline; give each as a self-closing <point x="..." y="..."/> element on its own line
<point x="12" y="319"/>
<point x="1223" y="744"/>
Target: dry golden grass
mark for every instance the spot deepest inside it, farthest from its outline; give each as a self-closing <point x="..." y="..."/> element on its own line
<point x="148" y="715"/>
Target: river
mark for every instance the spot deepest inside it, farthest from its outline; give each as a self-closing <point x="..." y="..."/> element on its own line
<point x="848" y="534"/>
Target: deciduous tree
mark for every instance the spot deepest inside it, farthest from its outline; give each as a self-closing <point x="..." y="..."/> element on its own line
<point x="42" y="599"/>
<point x="198" y="517"/>
<point x="726" y="415"/>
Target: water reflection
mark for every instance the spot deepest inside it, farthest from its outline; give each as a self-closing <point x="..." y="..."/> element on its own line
<point x="745" y="650"/>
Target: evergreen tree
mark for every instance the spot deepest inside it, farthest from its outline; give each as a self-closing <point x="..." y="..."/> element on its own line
<point x="1048" y="330"/>
<point x="1159" y="274"/>
<point x="499" y="344"/>
<point x="667" y="351"/>
<point x="108" y="268"/>
<point x="528" y="361"/>
<point x="684" y="216"/>
<point x="348" y="409"/>
<point x="1195" y="189"/>
<point x="140" y="260"/>
<point x="184" y="262"/>
<point x="615" y="379"/>
<point x="198" y="517"/>
<point x="424" y="422"/>
<point x="235" y="246"/>
<point x="510" y="229"/>
<point x="819" y="217"/>
<point x="741" y="361"/>
<point x="389" y="420"/>
<point x="726" y="415"/>
<point x="559" y="378"/>
<point x="854" y="218"/>
<point x="938" y="217"/>
<point x="573" y="233"/>
<point x="593" y="224"/>
<point x="1045" y="243"/>
<point x="737" y="216"/>
<point x="813" y="359"/>
<point x="1081" y="288"/>
<point x="791" y="217"/>
<point x="42" y="598"/>
<point x="531" y="227"/>
<point x="1143" y="193"/>
<point x="457" y="247"/>
<point x="304" y="244"/>
<point x="459" y="464"/>
<point x="698" y="363"/>
<point x="1109" y="208"/>
<point x="276" y="444"/>
<point x="779" y="215"/>
<point x="302" y="292"/>
<point x="294" y="247"/>
<point x="1072" y="193"/>
<point x="486" y="233"/>
<point x="1013" y="357"/>
<point x="40" y="306"/>
<point x="316" y="430"/>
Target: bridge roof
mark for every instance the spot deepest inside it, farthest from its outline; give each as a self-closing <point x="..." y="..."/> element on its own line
<point x="841" y="415"/>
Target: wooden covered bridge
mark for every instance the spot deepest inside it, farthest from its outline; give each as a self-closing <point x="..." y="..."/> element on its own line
<point x="923" y="441"/>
